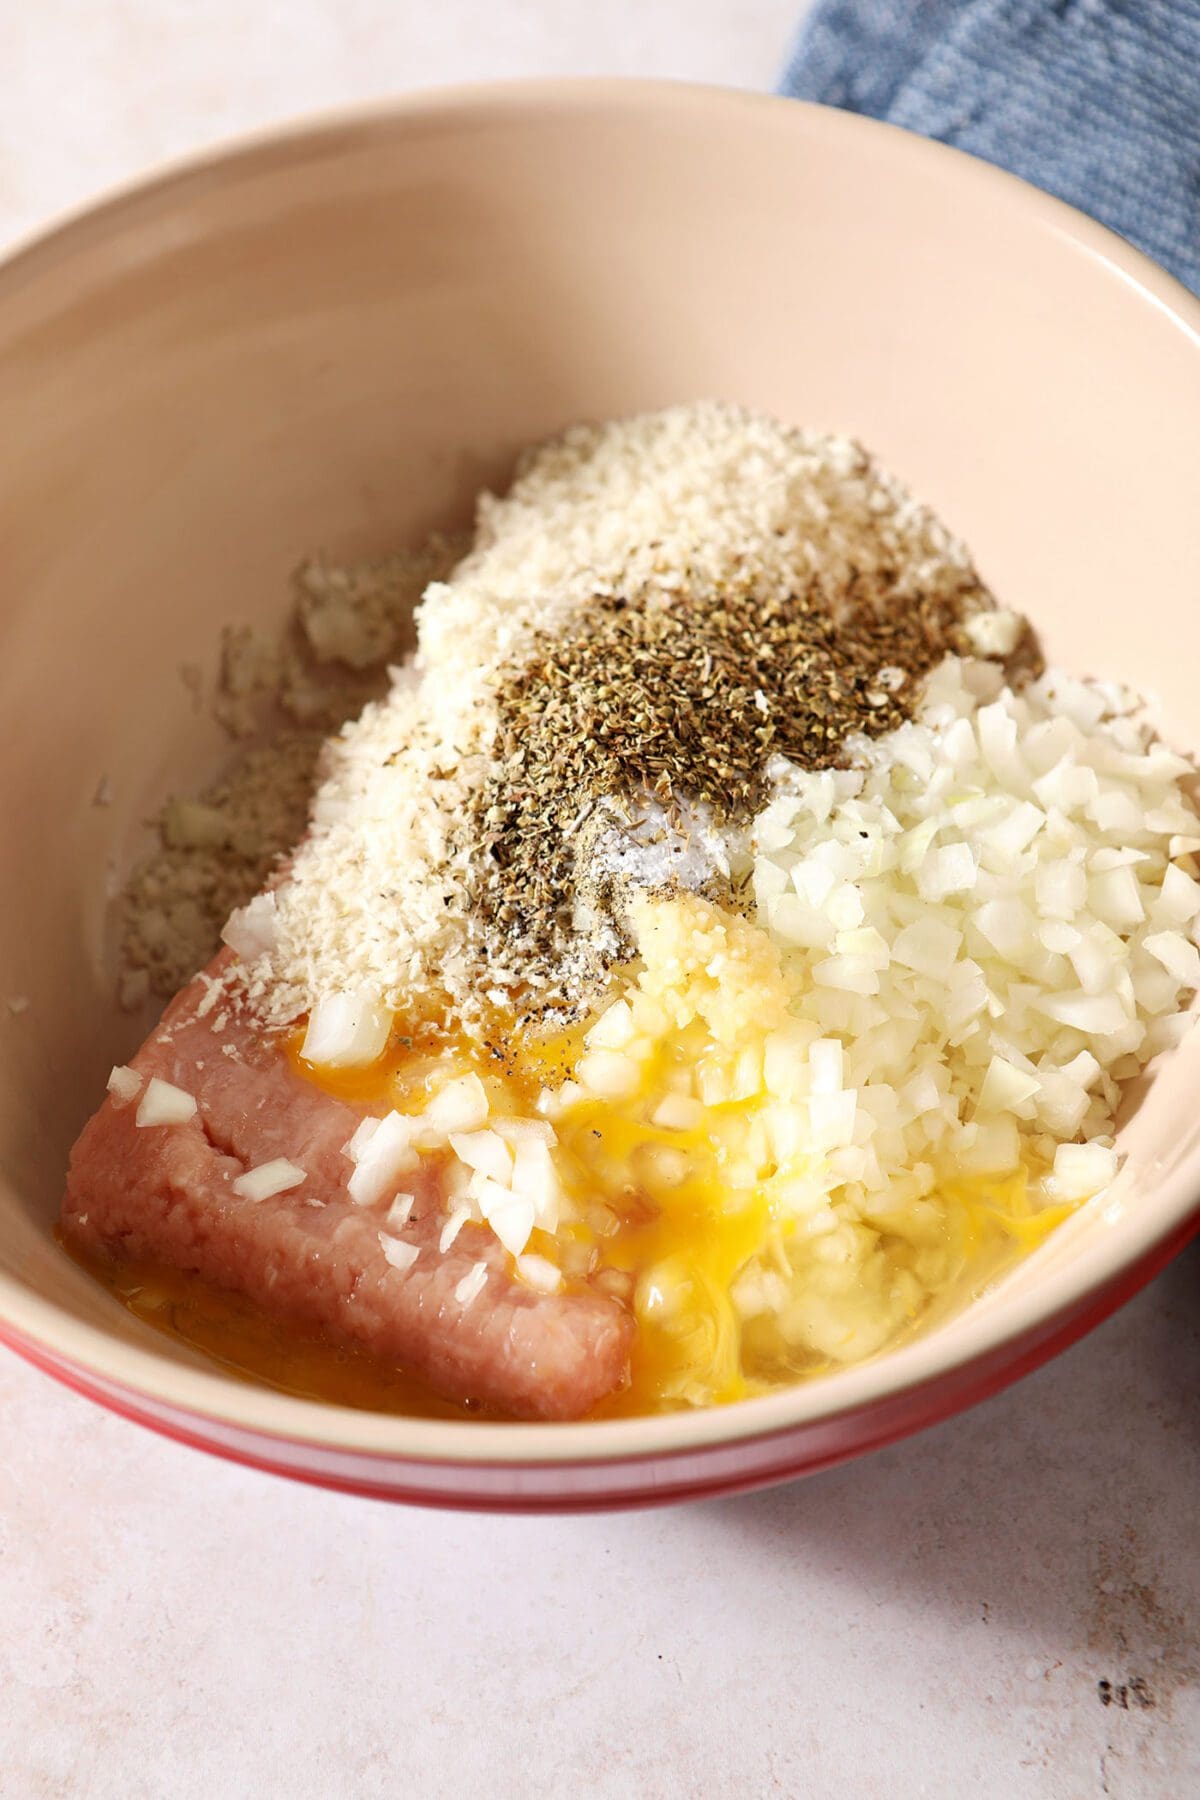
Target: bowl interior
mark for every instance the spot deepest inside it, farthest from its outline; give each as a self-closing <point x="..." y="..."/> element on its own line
<point x="332" y="338"/>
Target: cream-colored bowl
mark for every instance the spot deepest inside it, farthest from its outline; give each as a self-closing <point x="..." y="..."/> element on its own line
<point x="332" y="336"/>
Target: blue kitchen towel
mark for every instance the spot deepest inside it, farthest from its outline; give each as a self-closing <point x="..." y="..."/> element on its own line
<point x="1097" y="101"/>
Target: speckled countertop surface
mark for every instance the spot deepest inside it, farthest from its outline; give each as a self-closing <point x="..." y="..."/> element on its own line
<point x="1006" y="1607"/>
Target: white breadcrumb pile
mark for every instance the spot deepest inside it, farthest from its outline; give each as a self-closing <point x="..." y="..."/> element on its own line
<point x="281" y="695"/>
<point x="379" y="895"/>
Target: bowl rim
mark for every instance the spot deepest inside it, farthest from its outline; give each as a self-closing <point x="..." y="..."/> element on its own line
<point x="53" y="1332"/>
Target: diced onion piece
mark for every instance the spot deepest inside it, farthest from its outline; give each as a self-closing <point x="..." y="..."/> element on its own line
<point x="269" y="1179"/>
<point x="747" y="1074"/>
<point x="362" y="1136"/>
<point x="1098" y="1014"/>
<point x="454" y="1224"/>
<point x="510" y="1215"/>
<point x="1177" y="956"/>
<point x="1114" y="896"/>
<point x="535" y="1176"/>
<point x="485" y="1151"/>
<point x="929" y="946"/>
<point x="844" y="908"/>
<point x="250" y="932"/>
<point x="1058" y="936"/>
<point x="950" y="870"/>
<point x="678" y="1112"/>
<point x="516" y="1130"/>
<point x="400" y="1255"/>
<point x="608" y="1074"/>
<point x="1005" y="1087"/>
<point x="1081" y="1170"/>
<point x="471" y="1285"/>
<point x="1010" y="835"/>
<point x="826" y="1060"/>
<point x="1178" y="899"/>
<point x="462" y="1105"/>
<point x="399" y="1212"/>
<point x="1062" y="1103"/>
<point x="661" y="1291"/>
<point x="785" y="1058"/>
<point x="613" y="1029"/>
<point x="814" y="882"/>
<point x="667" y="1166"/>
<point x="1082" y="1068"/>
<point x="1008" y="927"/>
<point x="713" y="1082"/>
<point x="994" y="1149"/>
<point x="386" y="1154"/>
<point x="163" y="1104"/>
<point x="124" y="1084"/>
<point x="1060" y="889"/>
<point x="848" y="974"/>
<point x="347" y="1031"/>
<point x="798" y="922"/>
<point x="538" y="1272"/>
<point x="831" y="1118"/>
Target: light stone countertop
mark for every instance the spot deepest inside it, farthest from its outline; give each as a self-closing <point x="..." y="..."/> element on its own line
<point x="939" y="1620"/>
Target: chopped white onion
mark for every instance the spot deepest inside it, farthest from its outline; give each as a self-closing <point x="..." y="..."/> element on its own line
<point x="608" y="1074"/>
<point x="269" y="1179"/>
<point x="826" y="1061"/>
<point x="399" y="1212"/>
<point x="454" y="1224"/>
<point x="250" y="931"/>
<point x="1177" y="956"/>
<point x="362" y="1136"/>
<point x="538" y="1272"/>
<point x="678" y="1112"/>
<point x="400" y="1255"/>
<point x="163" y="1104"/>
<point x="510" y="1215"/>
<point x="461" y="1105"/>
<point x="515" y="1130"/>
<point x="485" y="1151"/>
<point x="1081" y="1170"/>
<point x="929" y="946"/>
<point x="347" y="1031"/>
<point x="1005" y="1087"/>
<point x="124" y="1084"/>
<point x="831" y="1118"/>
<point x="472" y="1285"/>
<point x="535" y="1177"/>
<point x="384" y="1155"/>
<point x="613" y="1029"/>
<point x="984" y="932"/>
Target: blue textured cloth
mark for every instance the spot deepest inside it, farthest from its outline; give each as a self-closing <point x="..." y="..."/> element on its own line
<point x="1097" y="101"/>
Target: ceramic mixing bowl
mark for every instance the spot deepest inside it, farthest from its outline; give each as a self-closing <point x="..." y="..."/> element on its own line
<point x="331" y="337"/>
